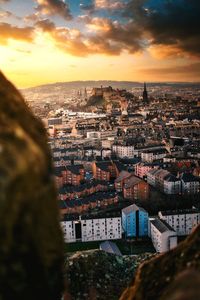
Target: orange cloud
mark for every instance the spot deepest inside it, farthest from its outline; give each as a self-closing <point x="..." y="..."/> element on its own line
<point x="8" y="31"/>
<point x="108" y="37"/>
<point x="167" y="51"/>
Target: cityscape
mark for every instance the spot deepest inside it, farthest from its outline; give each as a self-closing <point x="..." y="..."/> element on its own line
<point x="126" y="161"/>
<point x="99" y="149"/>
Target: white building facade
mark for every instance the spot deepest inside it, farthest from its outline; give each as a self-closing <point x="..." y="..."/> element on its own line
<point x="124" y="151"/>
<point x="163" y="237"/>
<point x="88" y="229"/>
<point x="182" y="221"/>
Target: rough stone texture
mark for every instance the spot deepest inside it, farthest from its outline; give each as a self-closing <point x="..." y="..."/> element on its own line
<point x="167" y="276"/>
<point x="97" y="275"/>
<point x="31" y="245"/>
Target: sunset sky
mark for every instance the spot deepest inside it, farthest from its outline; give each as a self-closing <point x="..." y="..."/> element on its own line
<point x="46" y="41"/>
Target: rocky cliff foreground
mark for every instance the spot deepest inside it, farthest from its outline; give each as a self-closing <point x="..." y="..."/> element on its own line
<point x="31" y="243"/>
<point x="171" y="276"/>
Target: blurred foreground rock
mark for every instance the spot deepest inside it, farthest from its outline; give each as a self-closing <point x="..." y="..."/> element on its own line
<point x="171" y="276"/>
<point x="31" y="246"/>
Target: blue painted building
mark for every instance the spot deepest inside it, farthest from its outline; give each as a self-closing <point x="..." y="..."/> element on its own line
<point x="135" y="221"/>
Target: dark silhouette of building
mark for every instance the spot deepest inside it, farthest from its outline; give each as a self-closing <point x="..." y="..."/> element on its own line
<point x="145" y="94"/>
<point x="85" y="94"/>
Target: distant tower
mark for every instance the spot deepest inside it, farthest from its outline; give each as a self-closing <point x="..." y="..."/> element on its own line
<point x="85" y="93"/>
<point x="145" y="94"/>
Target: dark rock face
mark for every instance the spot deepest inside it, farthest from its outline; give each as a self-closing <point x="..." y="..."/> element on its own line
<point x="31" y="245"/>
<point x="167" y="276"/>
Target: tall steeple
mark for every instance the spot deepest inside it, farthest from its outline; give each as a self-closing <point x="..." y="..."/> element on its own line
<point x="85" y="93"/>
<point x="145" y="94"/>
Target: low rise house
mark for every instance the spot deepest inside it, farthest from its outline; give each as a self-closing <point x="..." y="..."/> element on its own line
<point x="172" y="185"/>
<point x="103" y="170"/>
<point x="135" y="188"/>
<point x="151" y="155"/>
<point x="141" y="169"/>
<point x="164" y="181"/>
<point x="119" y="182"/>
<point x="123" y="151"/>
<point x="82" y="205"/>
<point x="190" y="184"/>
<point x="75" y="174"/>
<point x="83" y="190"/>
<point x="106" y="170"/>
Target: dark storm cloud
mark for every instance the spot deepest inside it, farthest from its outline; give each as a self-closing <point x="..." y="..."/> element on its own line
<point x="170" y="26"/>
<point x="173" y="23"/>
<point x="116" y="37"/>
<point x="54" y="7"/>
<point x="45" y="25"/>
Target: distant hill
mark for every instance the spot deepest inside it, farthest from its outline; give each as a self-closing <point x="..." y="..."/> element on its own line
<point x="91" y="83"/>
<point x="85" y="84"/>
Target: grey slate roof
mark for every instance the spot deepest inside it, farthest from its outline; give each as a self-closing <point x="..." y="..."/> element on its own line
<point x="131" y="208"/>
<point x="162" y="226"/>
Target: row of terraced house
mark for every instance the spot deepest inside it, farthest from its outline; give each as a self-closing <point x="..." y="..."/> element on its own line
<point x="170" y="184"/>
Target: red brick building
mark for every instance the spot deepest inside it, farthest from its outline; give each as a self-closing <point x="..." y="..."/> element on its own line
<point x="106" y="170"/>
<point x="132" y="187"/>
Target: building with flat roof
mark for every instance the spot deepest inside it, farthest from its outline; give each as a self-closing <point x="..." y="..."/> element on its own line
<point x="163" y="236"/>
<point x="87" y="229"/>
<point x="182" y="221"/>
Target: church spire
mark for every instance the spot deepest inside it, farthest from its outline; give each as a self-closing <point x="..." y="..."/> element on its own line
<point x="145" y="94"/>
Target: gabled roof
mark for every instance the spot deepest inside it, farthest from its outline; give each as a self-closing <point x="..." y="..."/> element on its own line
<point x="122" y="176"/>
<point x="131" y="181"/>
<point x="156" y="151"/>
<point x="171" y="178"/>
<point x="75" y="169"/>
<point x="132" y="208"/>
<point x="104" y="165"/>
